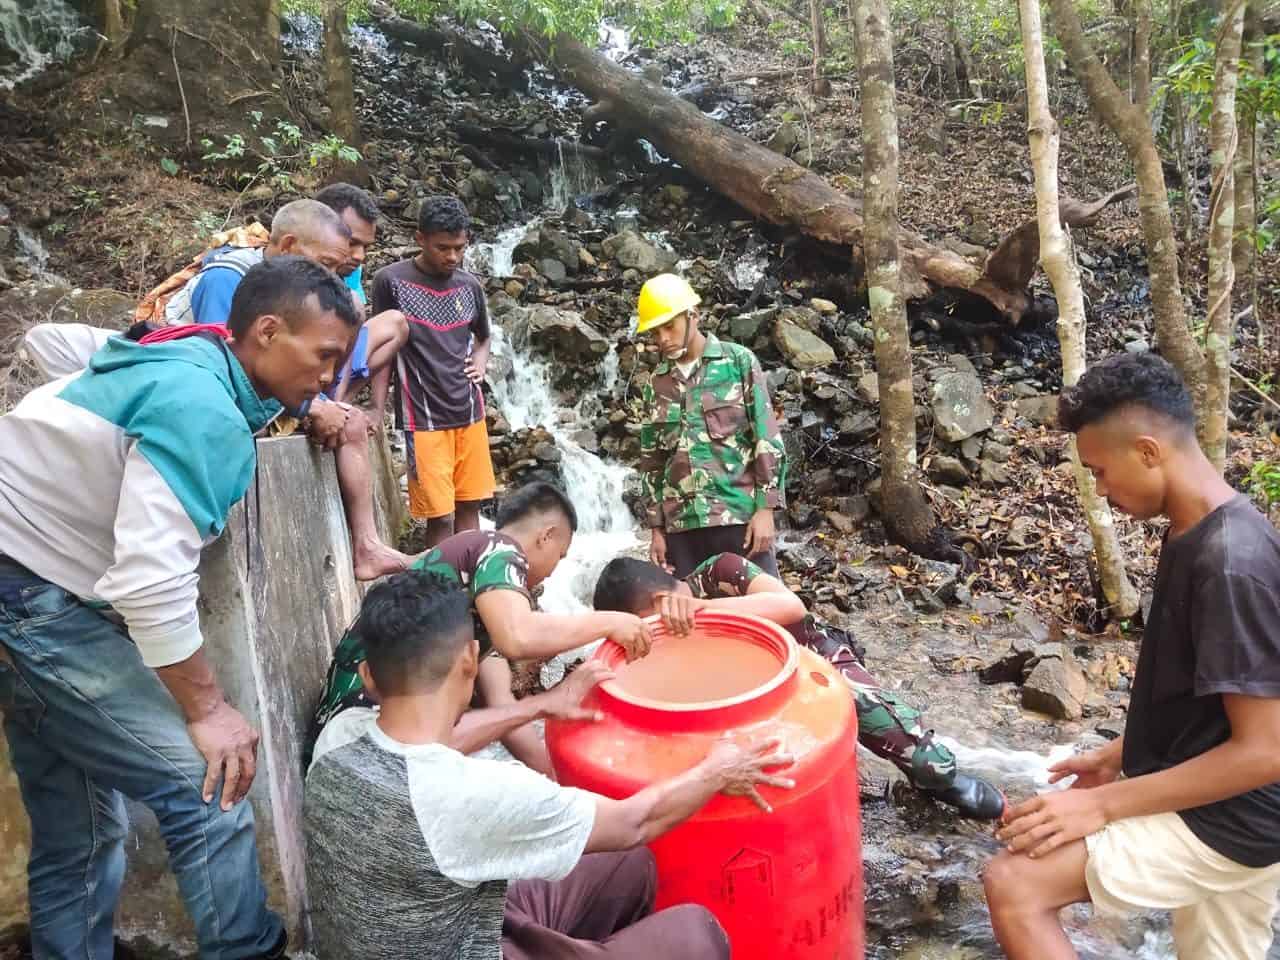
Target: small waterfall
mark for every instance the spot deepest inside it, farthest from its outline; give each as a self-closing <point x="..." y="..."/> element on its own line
<point x="36" y="35"/>
<point x="494" y="258"/>
<point x="33" y="255"/>
<point x="571" y="177"/>
<point x="606" y="527"/>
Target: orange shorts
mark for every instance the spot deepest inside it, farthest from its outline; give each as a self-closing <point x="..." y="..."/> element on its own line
<point x="447" y="467"/>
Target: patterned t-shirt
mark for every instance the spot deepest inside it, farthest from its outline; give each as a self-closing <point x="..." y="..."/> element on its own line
<point x="479" y="560"/>
<point x="447" y="318"/>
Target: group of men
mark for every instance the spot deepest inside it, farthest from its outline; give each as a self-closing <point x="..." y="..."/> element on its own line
<point x="415" y="846"/>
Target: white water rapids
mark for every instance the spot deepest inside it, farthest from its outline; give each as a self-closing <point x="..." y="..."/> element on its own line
<point x="37" y="33"/>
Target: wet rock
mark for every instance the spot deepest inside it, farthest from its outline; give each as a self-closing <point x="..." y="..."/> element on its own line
<point x="800" y="348"/>
<point x="544" y="243"/>
<point x="1110" y="729"/>
<point x="1137" y="346"/>
<point x="561" y="333"/>
<point x="960" y="408"/>
<point x="1010" y="666"/>
<point x="546" y="452"/>
<point x="1056" y="686"/>
<point x="867" y="387"/>
<point x="747" y="327"/>
<point x="1040" y="410"/>
<point x="483" y="184"/>
<point x="31" y="303"/>
<point x="553" y="270"/>
<point x="941" y="578"/>
<point x="948" y="470"/>
<point x="802" y="317"/>
<point x="514" y="289"/>
<point x="6" y="236"/>
<point x="674" y="195"/>
<point x="803" y="515"/>
<point x="824" y="307"/>
<point x="633" y="252"/>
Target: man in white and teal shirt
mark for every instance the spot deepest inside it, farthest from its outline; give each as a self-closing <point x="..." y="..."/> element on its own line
<point x="105" y="687"/>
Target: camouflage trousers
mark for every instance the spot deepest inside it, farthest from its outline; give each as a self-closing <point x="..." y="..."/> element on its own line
<point x="887" y="725"/>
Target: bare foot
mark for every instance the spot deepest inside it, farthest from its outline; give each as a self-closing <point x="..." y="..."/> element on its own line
<point x="375" y="559"/>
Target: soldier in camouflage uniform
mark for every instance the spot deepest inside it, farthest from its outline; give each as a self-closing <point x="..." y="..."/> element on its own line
<point x="712" y="459"/>
<point x="499" y="570"/>
<point x="887" y="725"/>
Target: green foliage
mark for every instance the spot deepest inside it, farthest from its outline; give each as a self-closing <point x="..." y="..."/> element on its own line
<point x="206" y="224"/>
<point x="170" y="167"/>
<point x="792" y="47"/>
<point x="278" y="154"/>
<point x="648" y="21"/>
<point x="1264" y="481"/>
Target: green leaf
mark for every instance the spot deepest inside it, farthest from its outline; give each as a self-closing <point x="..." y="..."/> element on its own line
<point x="169" y="167"/>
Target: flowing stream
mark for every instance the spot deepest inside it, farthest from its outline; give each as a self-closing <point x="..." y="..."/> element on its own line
<point x="34" y="35"/>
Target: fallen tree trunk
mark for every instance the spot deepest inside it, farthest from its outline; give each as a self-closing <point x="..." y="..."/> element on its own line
<point x="785" y="193"/>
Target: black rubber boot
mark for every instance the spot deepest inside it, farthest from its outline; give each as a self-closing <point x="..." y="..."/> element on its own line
<point x="973" y="798"/>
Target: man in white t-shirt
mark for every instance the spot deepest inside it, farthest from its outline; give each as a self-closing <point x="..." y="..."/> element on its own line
<point x="416" y="850"/>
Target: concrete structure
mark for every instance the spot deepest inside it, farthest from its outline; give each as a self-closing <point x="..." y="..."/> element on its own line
<point x="276" y="591"/>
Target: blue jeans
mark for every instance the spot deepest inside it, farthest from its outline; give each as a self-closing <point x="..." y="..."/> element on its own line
<point x="88" y="722"/>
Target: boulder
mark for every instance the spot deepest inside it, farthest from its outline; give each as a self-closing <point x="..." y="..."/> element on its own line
<point x="993" y="474"/>
<point x="948" y="470"/>
<point x="634" y="252"/>
<point x="824" y="307"/>
<point x="960" y="408"/>
<point x="867" y="387"/>
<point x="560" y="333"/>
<point x="553" y="270"/>
<point x="747" y="327"/>
<point x="544" y="243"/>
<point x="1056" y="686"/>
<point x="800" y="348"/>
<point x="802" y="317"/>
<point x="1041" y="410"/>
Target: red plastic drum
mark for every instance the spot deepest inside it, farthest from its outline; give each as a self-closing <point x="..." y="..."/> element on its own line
<point x="785" y="885"/>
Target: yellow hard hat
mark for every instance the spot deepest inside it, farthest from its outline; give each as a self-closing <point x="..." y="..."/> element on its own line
<point x="662" y="299"/>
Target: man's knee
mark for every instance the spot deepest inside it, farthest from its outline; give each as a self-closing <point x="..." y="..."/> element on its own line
<point x="393" y="325"/>
<point x="700" y="932"/>
<point x="1005" y="881"/>
<point x="641" y="872"/>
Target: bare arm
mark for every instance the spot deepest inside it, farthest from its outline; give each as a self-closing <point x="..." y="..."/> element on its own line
<point x="506" y="715"/>
<point x="1247" y="760"/>
<point x="521" y="633"/>
<point x="217" y="729"/>
<point x="644" y="816"/>
<point x="767" y="597"/>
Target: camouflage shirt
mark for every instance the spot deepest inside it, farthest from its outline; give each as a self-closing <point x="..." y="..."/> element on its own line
<point x="710" y="450"/>
<point x="479" y="560"/>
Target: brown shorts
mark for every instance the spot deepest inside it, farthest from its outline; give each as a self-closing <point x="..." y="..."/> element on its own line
<point x="448" y="467"/>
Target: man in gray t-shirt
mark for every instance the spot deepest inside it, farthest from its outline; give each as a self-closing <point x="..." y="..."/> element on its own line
<point x="416" y="850"/>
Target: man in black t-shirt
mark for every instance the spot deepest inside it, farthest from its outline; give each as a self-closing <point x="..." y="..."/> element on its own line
<point x="440" y="371"/>
<point x="1183" y="812"/>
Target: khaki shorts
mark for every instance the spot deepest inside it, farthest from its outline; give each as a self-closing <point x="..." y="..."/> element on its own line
<point x="448" y="467"/>
<point x="1221" y="910"/>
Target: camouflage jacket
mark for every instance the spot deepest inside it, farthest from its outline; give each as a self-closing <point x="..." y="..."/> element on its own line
<point x="476" y="560"/>
<point x="711" y="453"/>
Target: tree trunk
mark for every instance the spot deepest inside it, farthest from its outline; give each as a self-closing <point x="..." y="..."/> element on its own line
<point x="509" y="72"/>
<point x="818" y="28"/>
<point x="1058" y="259"/>
<point x="908" y="518"/>
<point x="1244" y="249"/>
<point x="1222" y="221"/>
<point x="1142" y="57"/>
<point x="271" y="25"/>
<point x="339" y="83"/>
<point x="1129" y="125"/>
<point x="111" y="21"/>
<point x="769" y="185"/>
